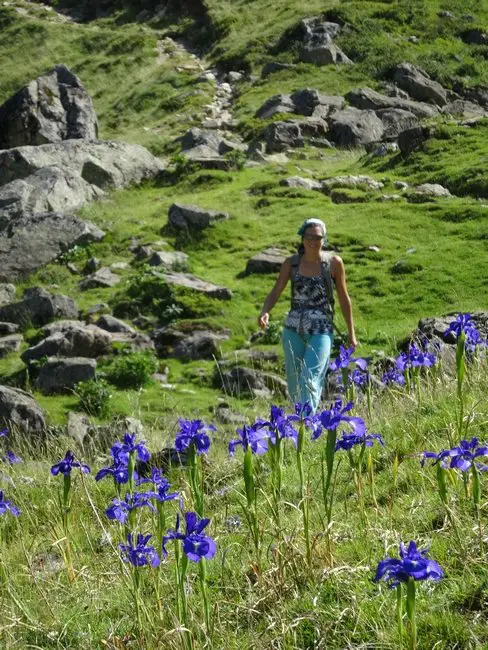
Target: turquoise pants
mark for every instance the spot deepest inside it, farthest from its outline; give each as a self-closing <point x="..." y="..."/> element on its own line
<point x="306" y="360"/>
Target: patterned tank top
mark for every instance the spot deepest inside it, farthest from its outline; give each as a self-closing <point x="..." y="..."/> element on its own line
<point x="311" y="311"/>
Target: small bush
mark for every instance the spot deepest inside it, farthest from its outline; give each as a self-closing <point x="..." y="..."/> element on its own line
<point x="272" y="334"/>
<point x="132" y="370"/>
<point x="94" y="396"/>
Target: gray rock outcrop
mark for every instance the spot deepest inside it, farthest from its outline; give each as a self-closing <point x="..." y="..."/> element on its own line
<point x="191" y="218"/>
<point x="419" y="85"/>
<point x="201" y="344"/>
<point x="269" y="261"/>
<point x="351" y="182"/>
<point x="188" y="281"/>
<point x="395" y="121"/>
<point x="38" y="307"/>
<point x="70" y="339"/>
<point x="100" y="279"/>
<point x="367" y="99"/>
<point x="10" y="343"/>
<point x="51" y="108"/>
<point x="169" y="260"/>
<point x="20" y="409"/>
<point x="317" y="46"/>
<point x="280" y="136"/>
<point x="307" y="101"/>
<point x="428" y="192"/>
<point x="111" y="324"/>
<point x="7" y="293"/>
<point x="59" y="375"/>
<point x="352" y="127"/>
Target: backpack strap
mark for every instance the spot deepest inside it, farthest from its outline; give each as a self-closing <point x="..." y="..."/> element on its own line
<point x="329" y="283"/>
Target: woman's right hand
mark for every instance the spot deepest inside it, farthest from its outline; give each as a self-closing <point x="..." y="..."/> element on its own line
<point x="263" y="320"/>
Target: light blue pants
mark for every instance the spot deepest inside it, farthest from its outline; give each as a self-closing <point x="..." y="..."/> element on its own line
<point x="306" y="360"/>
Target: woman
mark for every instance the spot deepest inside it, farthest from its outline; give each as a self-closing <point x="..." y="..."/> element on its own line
<point x="308" y="332"/>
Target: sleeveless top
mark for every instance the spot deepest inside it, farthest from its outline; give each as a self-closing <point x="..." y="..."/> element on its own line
<point x="312" y="310"/>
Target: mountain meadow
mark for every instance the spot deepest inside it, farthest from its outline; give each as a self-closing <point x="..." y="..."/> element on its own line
<point x="157" y="487"/>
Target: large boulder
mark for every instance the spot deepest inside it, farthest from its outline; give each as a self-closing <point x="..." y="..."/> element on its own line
<point x="114" y="325"/>
<point x="280" y="136"/>
<point x="351" y="182"/>
<point x="101" y="279"/>
<point x="367" y="99"/>
<point x="10" y="343"/>
<point x="248" y="382"/>
<point x="354" y="128"/>
<point x="202" y="344"/>
<point x="7" y="293"/>
<point x="105" y="164"/>
<point x="269" y="261"/>
<point x="464" y="108"/>
<point x="59" y="375"/>
<point x="413" y="138"/>
<point x="51" y="108"/>
<point x="215" y="141"/>
<point x="70" y="339"/>
<point x="395" y="121"/>
<point x="188" y="281"/>
<point x="193" y="218"/>
<point x="428" y="192"/>
<point x="169" y="260"/>
<point x="317" y="45"/>
<point x="307" y="100"/>
<point x="275" y="104"/>
<point x="55" y="233"/>
<point x="302" y="183"/>
<point x="418" y="84"/>
<point x="475" y="36"/>
<point x="38" y="307"/>
<point x="20" y="409"/>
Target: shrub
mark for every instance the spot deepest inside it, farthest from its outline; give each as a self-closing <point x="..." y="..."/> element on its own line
<point x="272" y="334"/>
<point x="132" y="370"/>
<point x="94" y="396"/>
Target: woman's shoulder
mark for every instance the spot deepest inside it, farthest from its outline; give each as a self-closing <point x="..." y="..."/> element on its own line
<point x="335" y="264"/>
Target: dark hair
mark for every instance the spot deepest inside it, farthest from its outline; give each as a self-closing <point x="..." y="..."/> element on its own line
<point x="301" y="247"/>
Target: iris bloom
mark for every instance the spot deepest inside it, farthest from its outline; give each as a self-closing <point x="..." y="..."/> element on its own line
<point x="279" y="425"/>
<point x="156" y="478"/>
<point x="11" y="458"/>
<point x="139" y="554"/>
<point x="67" y="464"/>
<point x="161" y="493"/>
<point x="7" y="506"/>
<point x="413" y="563"/>
<point x="414" y="358"/>
<point x="254" y="436"/>
<point x="350" y="440"/>
<point x="195" y="545"/>
<point x="3" y="433"/>
<point x="121" y="450"/>
<point x="462" y="323"/>
<point x="461" y="457"/>
<point x="119" y="510"/>
<point x="393" y="376"/>
<point x="345" y="359"/>
<point x="333" y="417"/>
<point x="193" y="432"/>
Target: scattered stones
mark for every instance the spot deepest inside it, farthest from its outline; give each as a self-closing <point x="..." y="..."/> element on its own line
<point x="58" y="375"/>
<point x="305" y="183"/>
<point x="428" y="192"/>
<point x="200" y="286"/>
<point x="70" y="338"/>
<point x="22" y="254"/>
<point x="10" y="343"/>
<point x="352" y="127"/>
<point x="269" y="261"/>
<point x="401" y="185"/>
<point x="20" y="409"/>
<point x="51" y="108"/>
<point x="351" y="182"/>
<point x="418" y="84"/>
<point x="170" y="260"/>
<point x="464" y="108"/>
<point x="100" y="279"/>
<point x="193" y="218"/>
<point x="38" y="307"/>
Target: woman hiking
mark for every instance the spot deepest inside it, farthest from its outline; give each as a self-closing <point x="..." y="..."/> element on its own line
<point x="308" y="331"/>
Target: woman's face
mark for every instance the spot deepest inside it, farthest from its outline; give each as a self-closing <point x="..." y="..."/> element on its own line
<point x="313" y="238"/>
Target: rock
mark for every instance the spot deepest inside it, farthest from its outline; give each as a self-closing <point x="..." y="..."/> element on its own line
<point x="445" y="14"/>
<point x="269" y="261"/>
<point x="311" y="127"/>
<point x="51" y="108"/>
<point x="127" y="424"/>
<point x="413" y="138"/>
<point x="233" y="77"/>
<point x="367" y="99"/>
<point x="135" y="341"/>
<point x="204" y="143"/>
<point x="401" y="185"/>
<point x="202" y="344"/>
<point x="274" y="105"/>
<point x="241" y="381"/>
<point x="97" y="309"/>
<point x="78" y="427"/>
<point x="196" y="284"/>
<point x="385" y="198"/>
<point x="49" y="189"/>
<point x="58" y="375"/>
<point x="101" y="278"/>
<point x="193" y="218"/>
<point x="105" y="164"/>
<point x="10" y="343"/>
<point x="20" y="409"/>
<point x="351" y="182"/>
<point x="279" y="136"/>
<point x="418" y="85"/>
<point x="92" y="265"/>
<point x="348" y="196"/>
<point x="428" y="192"/>
<point x="464" y="108"/>
<point x="316" y="37"/>
<point x="7" y="293"/>
<point x="170" y="260"/>
<point x="143" y="252"/>
<point x="477" y="94"/>
<point x="396" y="120"/>
<point x="70" y="338"/>
<point x="475" y="37"/>
<point x="38" y="307"/>
<point x="433" y="328"/>
<point x="382" y="149"/>
<point x="275" y="66"/>
<point x="8" y="328"/>
<point x="305" y="183"/>
<point x="119" y="266"/>
<point x="307" y="100"/>
<point x="22" y="254"/>
<point x="112" y="324"/>
<point x="353" y="128"/>
<point x="324" y="54"/>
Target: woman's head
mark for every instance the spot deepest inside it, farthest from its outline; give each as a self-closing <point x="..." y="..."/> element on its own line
<point x="312" y="232"/>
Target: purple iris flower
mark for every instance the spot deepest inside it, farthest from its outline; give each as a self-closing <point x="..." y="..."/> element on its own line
<point x="11" y="458"/>
<point x="119" y="510"/>
<point x="461" y="457"/>
<point x="279" y="425"/>
<point x="194" y="432"/>
<point x="121" y="450"/>
<point x="393" y="376"/>
<point x="462" y="323"/>
<point x="7" y="506"/>
<point x="303" y="410"/>
<point x="414" y="358"/>
<point x="3" y="433"/>
<point x="360" y="378"/>
<point x="161" y="493"/>
<point x="413" y="563"/>
<point x="333" y="417"/>
<point x="345" y="359"/>
<point x="156" y="478"/>
<point x="119" y="472"/>
<point x="67" y="464"/>
<point x="350" y="440"/>
<point x="195" y="545"/>
<point x="254" y="436"/>
<point x="139" y="554"/>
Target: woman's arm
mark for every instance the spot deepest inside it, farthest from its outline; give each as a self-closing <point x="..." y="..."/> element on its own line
<point x="275" y="293"/>
<point x="338" y="274"/>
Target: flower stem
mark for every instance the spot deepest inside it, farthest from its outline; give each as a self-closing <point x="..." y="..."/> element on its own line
<point x="399" y="612"/>
<point x="412" y="626"/>
<point x="303" y="492"/>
